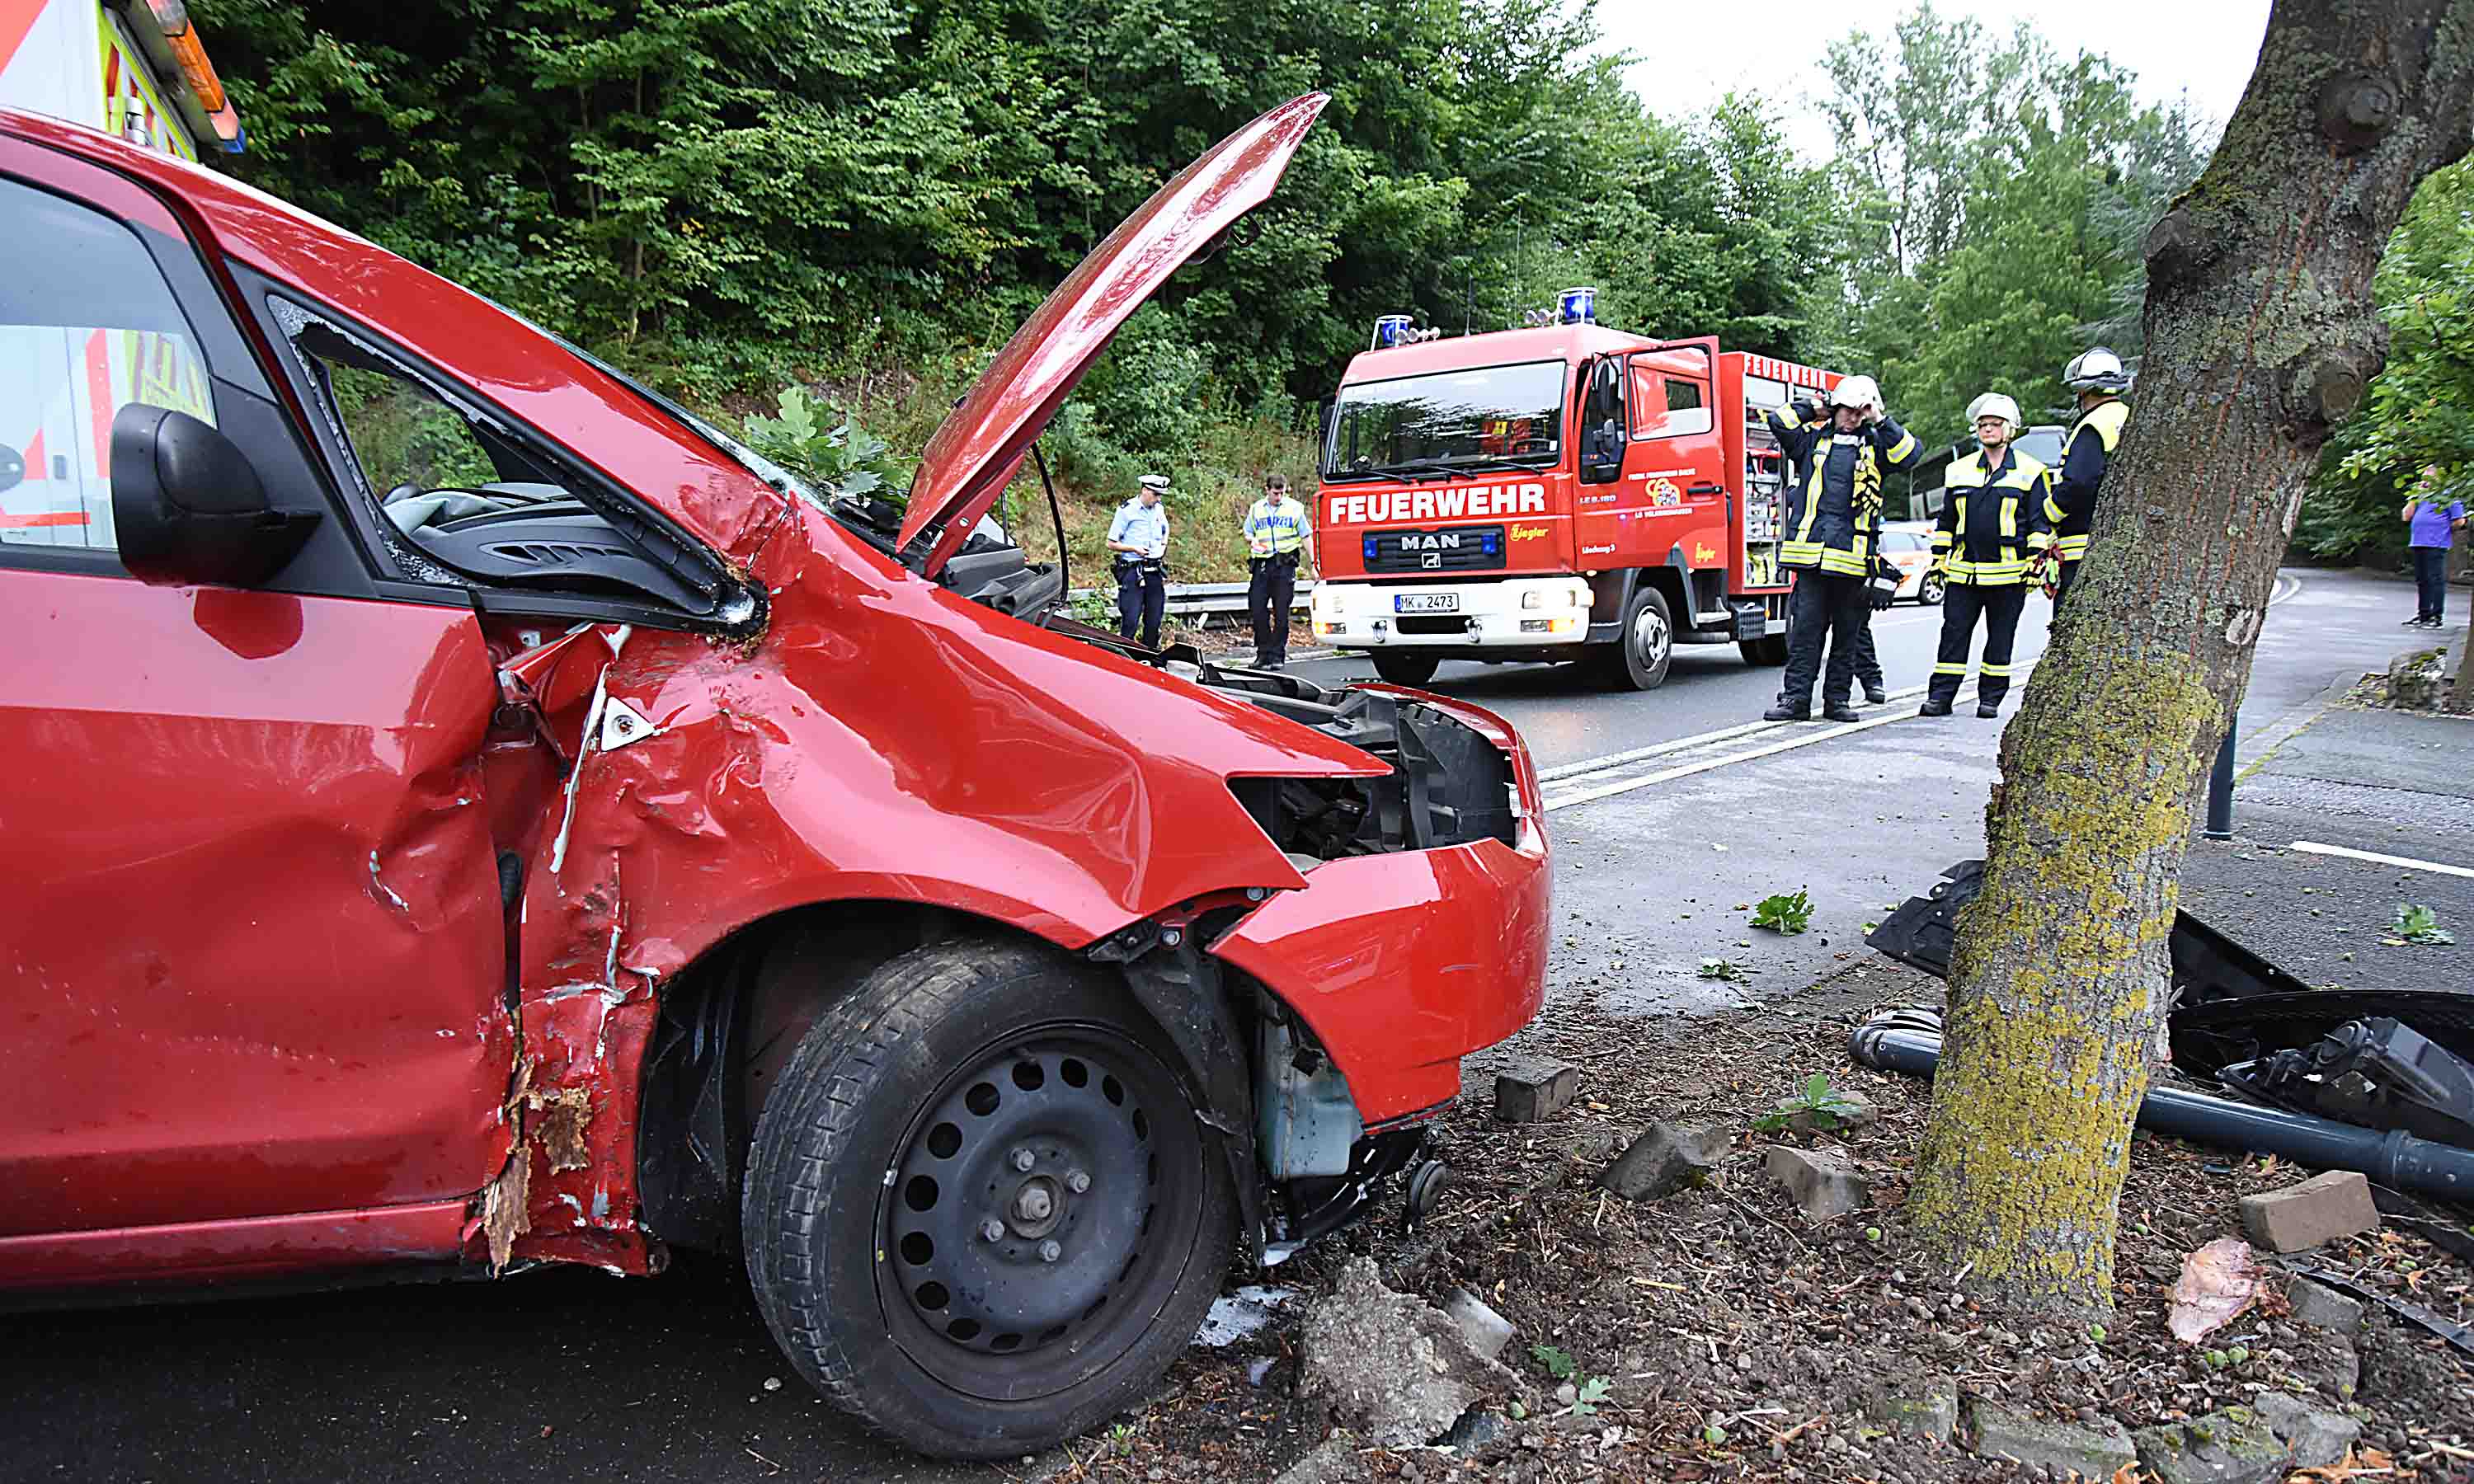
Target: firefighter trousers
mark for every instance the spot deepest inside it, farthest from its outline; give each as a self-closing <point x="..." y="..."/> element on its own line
<point x="1825" y="607"/>
<point x="1270" y="593"/>
<point x="1961" y="606"/>
<point x="2063" y="573"/>
<point x="1868" y="659"/>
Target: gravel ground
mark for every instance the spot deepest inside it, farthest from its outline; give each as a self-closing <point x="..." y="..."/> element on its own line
<point x="1739" y="1340"/>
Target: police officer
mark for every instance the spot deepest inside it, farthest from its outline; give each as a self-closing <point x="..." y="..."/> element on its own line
<point x="1834" y="526"/>
<point x="1138" y="539"/>
<point x="2099" y="378"/>
<point x="1275" y="537"/>
<point x="1992" y="528"/>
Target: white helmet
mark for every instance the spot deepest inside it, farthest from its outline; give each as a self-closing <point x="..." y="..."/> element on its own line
<point x="1856" y="392"/>
<point x="1993" y="404"/>
<point x="2095" y="371"/>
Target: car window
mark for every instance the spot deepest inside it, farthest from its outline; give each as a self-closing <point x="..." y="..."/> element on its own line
<point x="87" y="327"/>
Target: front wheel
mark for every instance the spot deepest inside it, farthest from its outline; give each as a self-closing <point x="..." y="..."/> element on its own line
<point x="1928" y="591"/>
<point x="1638" y="658"/>
<point x="980" y="1210"/>
<point x="1767" y="649"/>
<point x="1405" y="669"/>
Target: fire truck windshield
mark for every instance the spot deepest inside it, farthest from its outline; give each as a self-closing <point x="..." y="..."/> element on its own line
<point x="1507" y="417"/>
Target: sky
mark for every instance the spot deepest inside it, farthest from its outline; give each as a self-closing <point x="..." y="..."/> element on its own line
<point x="1691" y="51"/>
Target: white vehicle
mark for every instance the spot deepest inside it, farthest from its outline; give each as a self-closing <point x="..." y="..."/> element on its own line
<point x="136" y="69"/>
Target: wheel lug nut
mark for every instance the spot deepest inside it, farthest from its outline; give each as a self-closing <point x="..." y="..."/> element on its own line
<point x="992" y="1230"/>
<point x="1022" y="1159"/>
<point x="1077" y="1182"/>
<point x="1050" y="1251"/>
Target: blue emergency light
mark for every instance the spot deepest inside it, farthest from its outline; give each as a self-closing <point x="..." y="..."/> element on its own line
<point x="1392" y="330"/>
<point x="1577" y="306"/>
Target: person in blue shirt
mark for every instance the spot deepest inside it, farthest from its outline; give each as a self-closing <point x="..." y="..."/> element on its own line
<point x="2431" y="524"/>
<point x="1275" y="539"/>
<point x="1138" y="544"/>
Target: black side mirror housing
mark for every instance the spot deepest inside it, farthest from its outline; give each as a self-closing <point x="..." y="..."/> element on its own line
<point x="189" y="507"/>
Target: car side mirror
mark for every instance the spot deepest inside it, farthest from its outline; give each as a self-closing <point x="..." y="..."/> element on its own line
<point x="188" y="507"/>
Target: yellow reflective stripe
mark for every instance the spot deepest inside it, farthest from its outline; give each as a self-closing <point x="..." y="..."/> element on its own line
<point x="2054" y="508"/>
<point x="1940" y="542"/>
<point x="2002" y="671"/>
<point x="2074" y="546"/>
<point x="1906" y="445"/>
<point x="1800" y="553"/>
<point x="1786" y="417"/>
<point x="1851" y="564"/>
<point x="1945" y="668"/>
<point x="2009" y="519"/>
<point x="2107" y="418"/>
<point x="2038" y="540"/>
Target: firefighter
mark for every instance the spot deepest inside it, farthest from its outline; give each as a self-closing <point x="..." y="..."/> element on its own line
<point x="1992" y="529"/>
<point x="1275" y="537"/>
<point x="1833" y="524"/>
<point x="2097" y="377"/>
<point x="1138" y="539"/>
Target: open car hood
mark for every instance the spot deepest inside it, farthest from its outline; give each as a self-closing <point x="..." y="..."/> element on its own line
<point x="976" y="449"/>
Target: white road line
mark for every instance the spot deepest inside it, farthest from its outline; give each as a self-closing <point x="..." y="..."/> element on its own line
<point x="2315" y="848"/>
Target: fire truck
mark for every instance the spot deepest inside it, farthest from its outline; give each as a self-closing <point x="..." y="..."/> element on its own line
<point x="1560" y="491"/>
<point x="136" y="70"/>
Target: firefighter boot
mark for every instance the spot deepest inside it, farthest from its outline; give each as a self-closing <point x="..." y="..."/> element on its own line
<point x="1784" y="712"/>
<point x="1934" y="705"/>
<point x="1873" y="693"/>
<point x="1841" y="712"/>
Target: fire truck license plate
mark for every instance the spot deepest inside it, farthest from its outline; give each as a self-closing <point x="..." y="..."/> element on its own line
<point x="1426" y="603"/>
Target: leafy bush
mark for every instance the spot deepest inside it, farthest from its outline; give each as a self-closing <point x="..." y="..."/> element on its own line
<point x="839" y="459"/>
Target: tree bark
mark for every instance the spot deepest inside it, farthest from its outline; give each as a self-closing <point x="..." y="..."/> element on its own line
<point x="2260" y="337"/>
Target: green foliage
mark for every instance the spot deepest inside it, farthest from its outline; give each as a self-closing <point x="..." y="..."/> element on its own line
<point x="1784" y="912"/>
<point x="1557" y="1364"/>
<point x="2418" y="923"/>
<point x="1721" y="969"/>
<point x="1824" y="1105"/>
<point x="827" y="449"/>
<point x="2421" y="411"/>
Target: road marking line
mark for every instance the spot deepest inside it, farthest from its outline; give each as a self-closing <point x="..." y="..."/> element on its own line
<point x="2315" y="848"/>
<point x="1562" y="771"/>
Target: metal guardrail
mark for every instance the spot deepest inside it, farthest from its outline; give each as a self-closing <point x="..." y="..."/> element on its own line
<point x="1200" y="600"/>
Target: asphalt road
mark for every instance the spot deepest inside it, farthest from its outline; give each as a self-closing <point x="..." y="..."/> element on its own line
<point x="571" y="1375"/>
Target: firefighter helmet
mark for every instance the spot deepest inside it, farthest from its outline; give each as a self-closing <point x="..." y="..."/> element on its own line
<point x="1860" y="392"/>
<point x="1993" y="404"/>
<point x="2095" y="371"/>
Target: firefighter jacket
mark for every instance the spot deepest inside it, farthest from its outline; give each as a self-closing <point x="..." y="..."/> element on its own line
<point x="2084" y="457"/>
<point x="1992" y="519"/>
<point x="1275" y="528"/>
<point x="1833" y="510"/>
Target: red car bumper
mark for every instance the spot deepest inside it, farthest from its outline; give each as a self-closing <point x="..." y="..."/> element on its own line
<point x="1403" y="964"/>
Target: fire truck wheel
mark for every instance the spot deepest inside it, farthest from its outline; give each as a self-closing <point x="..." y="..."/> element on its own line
<point x="980" y="1210"/>
<point x="1928" y="591"/>
<point x="1405" y="669"/>
<point x="1637" y="660"/>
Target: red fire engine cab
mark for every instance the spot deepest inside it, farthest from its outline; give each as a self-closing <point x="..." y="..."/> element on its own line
<point x="1561" y="491"/>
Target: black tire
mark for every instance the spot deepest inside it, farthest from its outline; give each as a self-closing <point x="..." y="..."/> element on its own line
<point x="873" y="1275"/>
<point x="1929" y="592"/>
<point x="1405" y="668"/>
<point x="1644" y="646"/>
<point x="1768" y="650"/>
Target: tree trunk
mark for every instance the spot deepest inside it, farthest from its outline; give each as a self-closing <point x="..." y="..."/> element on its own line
<point x="2260" y="337"/>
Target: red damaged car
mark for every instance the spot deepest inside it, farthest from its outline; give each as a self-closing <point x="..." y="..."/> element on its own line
<point x="466" y="812"/>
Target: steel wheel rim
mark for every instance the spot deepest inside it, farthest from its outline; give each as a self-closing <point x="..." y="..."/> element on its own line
<point x="1009" y="1318"/>
<point x="1650" y="637"/>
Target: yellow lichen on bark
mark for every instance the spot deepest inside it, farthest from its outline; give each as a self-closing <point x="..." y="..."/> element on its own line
<point x="2059" y="978"/>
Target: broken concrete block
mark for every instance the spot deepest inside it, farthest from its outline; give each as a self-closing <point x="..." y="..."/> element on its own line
<point x="2316" y="1437"/>
<point x="2323" y="1307"/>
<point x="1396" y="1369"/>
<point x="2235" y="1446"/>
<point x="1821" y="1180"/>
<point x="2093" y="1452"/>
<point x="1333" y="1458"/>
<point x="1488" y="1331"/>
<point x="1532" y="1090"/>
<point x="1666" y="1159"/>
<point x="2319" y="1210"/>
<point x="1923" y="1407"/>
<point x="1855" y="1111"/>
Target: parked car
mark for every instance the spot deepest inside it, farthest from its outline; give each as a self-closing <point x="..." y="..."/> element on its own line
<point x="469" y="813"/>
<point x="1909" y="547"/>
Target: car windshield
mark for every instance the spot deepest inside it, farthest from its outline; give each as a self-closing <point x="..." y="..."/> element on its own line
<point x="1493" y="415"/>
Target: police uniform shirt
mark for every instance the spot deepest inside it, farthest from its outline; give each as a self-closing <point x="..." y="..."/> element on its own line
<point x="1275" y="529"/>
<point x="1138" y="526"/>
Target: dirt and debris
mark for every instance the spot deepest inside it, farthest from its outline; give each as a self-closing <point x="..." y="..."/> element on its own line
<point x="1718" y="1333"/>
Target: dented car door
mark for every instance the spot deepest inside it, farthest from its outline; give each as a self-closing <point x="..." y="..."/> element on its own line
<point x="255" y="935"/>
